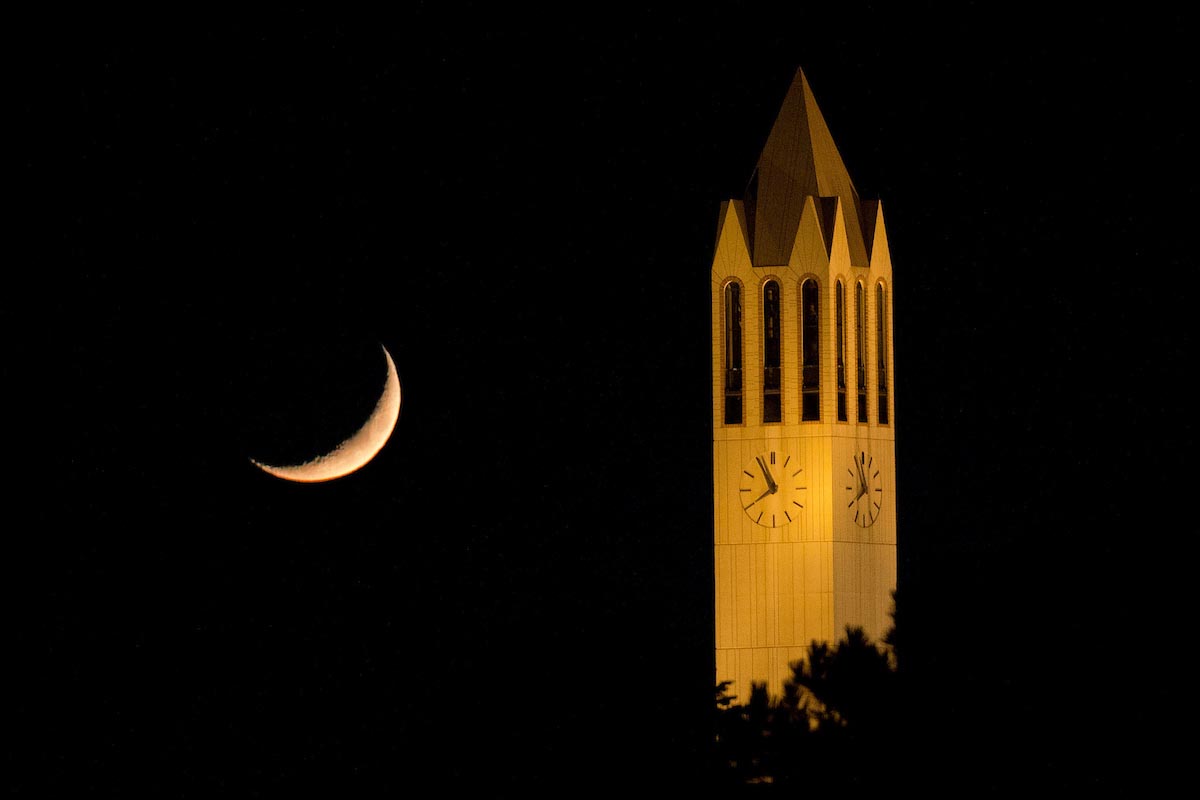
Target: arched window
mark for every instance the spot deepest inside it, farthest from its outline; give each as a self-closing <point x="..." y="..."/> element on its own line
<point x="860" y="348"/>
<point x="840" y="349"/>
<point x="733" y="353"/>
<point x="810" y="351"/>
<point x="772" y="398"/>
<point x="881" y="353"/>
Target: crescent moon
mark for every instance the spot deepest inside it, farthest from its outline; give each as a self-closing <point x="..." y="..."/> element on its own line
<point x="358" y="449"/>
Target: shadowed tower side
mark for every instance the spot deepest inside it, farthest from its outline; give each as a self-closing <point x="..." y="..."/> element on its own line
<point x="804" y="502"/>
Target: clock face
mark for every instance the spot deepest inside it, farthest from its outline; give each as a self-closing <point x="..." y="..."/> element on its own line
<point x="864" y="489"/>
<point x="773" y="488"/>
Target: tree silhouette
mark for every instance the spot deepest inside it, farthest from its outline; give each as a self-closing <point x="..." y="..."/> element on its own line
<point x="756" y="740"/>
<point x="852" y="683"/>
<point x="834" y="724"/>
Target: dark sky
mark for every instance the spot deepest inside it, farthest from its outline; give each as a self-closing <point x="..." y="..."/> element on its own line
<point x="218" y="215"/>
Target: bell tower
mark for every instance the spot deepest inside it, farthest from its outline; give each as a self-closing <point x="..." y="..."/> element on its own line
<point x="804" y="497"/>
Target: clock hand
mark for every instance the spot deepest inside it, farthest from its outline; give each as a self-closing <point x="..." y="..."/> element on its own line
<point x="767" y="474"/>
<point x="862" y="480"/>
<point x="770" y="490"/>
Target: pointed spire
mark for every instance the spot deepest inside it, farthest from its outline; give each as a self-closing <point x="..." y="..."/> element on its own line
<point x="798" y="161"/>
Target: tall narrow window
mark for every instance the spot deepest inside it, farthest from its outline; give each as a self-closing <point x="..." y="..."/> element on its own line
<point x="840" y="349"/>
<point x="860" y="348"/>
<point x="810" y="351"/>
<point x="733" y="354"/>
<point x="772" y="401"/>
<point x="881" y="354"/>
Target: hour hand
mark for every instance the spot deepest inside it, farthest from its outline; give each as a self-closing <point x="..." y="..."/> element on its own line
<point x="770" y="490"/>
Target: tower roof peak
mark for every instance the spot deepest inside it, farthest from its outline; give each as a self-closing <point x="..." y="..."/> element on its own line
<point x="799" y="160"/>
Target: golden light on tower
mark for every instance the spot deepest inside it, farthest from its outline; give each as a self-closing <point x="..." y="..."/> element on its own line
<point x="804" y="501"/>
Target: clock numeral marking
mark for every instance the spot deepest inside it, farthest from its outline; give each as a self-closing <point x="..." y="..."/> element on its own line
<point x="878" y="489"/>
<point x="876" y="475"/>
<point x="796" y="504"/>
<point x="785" y="462"/>
<point x="797" y="472"/>
<point x="772" y="520"/>
<point x="786" y="514"/>
<point x="759" y="516"/>
<point x="772" y="456"/>
<point x="851" y="503"/>
<point x="747" y="474"/>
<point x="743" y="490"/>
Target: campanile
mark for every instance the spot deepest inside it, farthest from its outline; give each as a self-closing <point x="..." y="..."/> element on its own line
<point x="804" y="491"/>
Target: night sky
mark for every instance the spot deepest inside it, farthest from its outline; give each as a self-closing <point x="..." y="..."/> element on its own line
<point x="220" y="221"/>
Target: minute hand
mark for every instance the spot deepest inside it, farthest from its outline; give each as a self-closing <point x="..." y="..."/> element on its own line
<point x="772" y="486"/>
